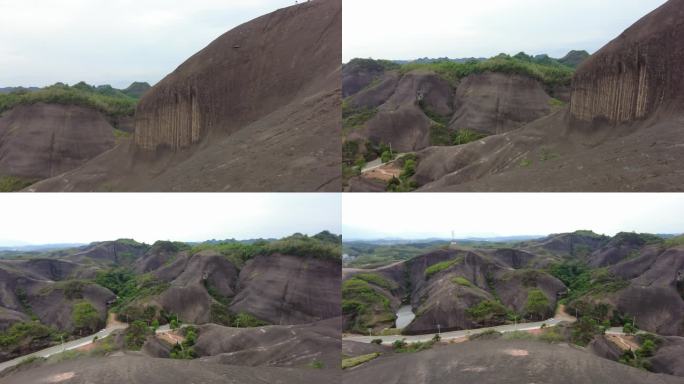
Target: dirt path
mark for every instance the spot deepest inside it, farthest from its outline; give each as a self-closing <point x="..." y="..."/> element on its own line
<point x="562" y="314"/>
<point x="171" y="337"/>
<point x="113" y="322"/>
<point x="625" y="343"/>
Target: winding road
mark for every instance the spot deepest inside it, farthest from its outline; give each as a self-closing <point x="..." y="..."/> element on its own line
<point x="75" y="344"/>
<point x="454" y="335"/>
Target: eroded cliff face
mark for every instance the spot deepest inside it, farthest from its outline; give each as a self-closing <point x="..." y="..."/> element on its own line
<point x="244" y="75"/>
<point x="636" y="74"/>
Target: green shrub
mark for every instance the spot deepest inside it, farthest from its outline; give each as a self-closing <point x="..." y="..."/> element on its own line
<point x="24" y="333"/>
<point x="551" y="73"/>
<point x="439" y="267"/>
<point x="13" y="183"/>
<point x="245" y="320"/>
<point x="584" y="330"/>
<point x="462" y="281"/>
<point x="486" y="335"/>
<point x="629" y="329"/>
<point x="106" y="100"/>
<point x="465" y="136"/>
<point x="358" y="360"/>
<point x="376" y="341"/>
<point x="364" y="304"/>
<point x="353" y="118"/>
<point x="386" y="157"/>
<point x="488" y="312"/>
<point x="85" y="317"/>
<point x="538" y="305"/>
<point x="136" y="334"/>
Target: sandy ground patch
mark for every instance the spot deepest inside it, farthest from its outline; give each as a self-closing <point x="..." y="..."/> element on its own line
<point x="516" y="352"/>
<point x="625" y="343"/>
<point x="58" y="378"/>
<point x="171" y="337"/>
<point x="384" y="173"/>
<point x="113" y="322"/>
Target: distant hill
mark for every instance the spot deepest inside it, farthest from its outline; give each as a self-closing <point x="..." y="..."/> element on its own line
<point x="41" y="247"/>
<point x="6" y="90"/>
<point x="137" y="89"/>
<point x="574" y="58"/>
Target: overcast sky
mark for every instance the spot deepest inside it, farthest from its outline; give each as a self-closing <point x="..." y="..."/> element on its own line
<point x="83" y="218"/>
<point x="111" y="42"/>
<point x="416" y="216"/>
<point x="410" y="29"/>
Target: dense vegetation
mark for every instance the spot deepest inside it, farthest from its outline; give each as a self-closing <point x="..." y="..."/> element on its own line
<point x="366" y="306"/>
<point x="105" y="99"/>
<point x="488" y="312"/>
<point x="404" y="183"/>
<point x="547" y="70"/>
<point x="13" y="183"/>
<point x="351" y="362"/>
<point x="185" y="349"/>
<point x="25" y="333"/>
<point x="136" y="334"/>
<point x="371" y="255"/>
<point x="324" y="245"/>
<point x="537" y="306"/>
<point x="439" y="267"/>
<point x="353" y="118"/>
<point x="639" y="358"/>
<point x="85" y="317"/>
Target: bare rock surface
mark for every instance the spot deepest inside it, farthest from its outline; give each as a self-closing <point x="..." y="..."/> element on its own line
<point x="44" y="140"/>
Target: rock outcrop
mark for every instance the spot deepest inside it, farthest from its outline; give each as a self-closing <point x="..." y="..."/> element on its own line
<point x="493" y="103"/>
<point x="44" y="140"/>
<point x="256" y="110"/>
<point x="282" y="289"/>
<point x="636" y="74"/>
<point x="242" y="76"/>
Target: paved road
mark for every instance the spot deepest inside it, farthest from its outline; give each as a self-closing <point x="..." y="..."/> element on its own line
<point x="377" y="163"/>
<point x="68" y="346"/>
<point x="75" y="344"/>
<point x="457" y="334"/>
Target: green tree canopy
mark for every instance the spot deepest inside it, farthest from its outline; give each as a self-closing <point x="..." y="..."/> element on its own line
<point x="537" y="304"/>
<point x="85" y="317"/>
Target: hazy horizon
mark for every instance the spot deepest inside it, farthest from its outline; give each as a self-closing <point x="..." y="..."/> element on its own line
<point x="424" y="216"/>
<point x="411" y="30"/>
<point x="85" y="218"/>
<point x="117" y="43"/>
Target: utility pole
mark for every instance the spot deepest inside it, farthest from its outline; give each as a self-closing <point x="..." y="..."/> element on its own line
<point x="62" y="338"/>
<point x="370" y="332"/>
<point x="439" y="330"/>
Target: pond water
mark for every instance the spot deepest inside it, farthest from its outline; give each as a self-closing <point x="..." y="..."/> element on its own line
<point x="405" y="316"/>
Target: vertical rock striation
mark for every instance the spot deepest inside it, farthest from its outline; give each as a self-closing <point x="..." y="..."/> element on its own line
<point x="242" y="76"/>
<point x="636" y="74"/>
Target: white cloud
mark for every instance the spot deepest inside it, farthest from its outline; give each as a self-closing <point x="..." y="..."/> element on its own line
<point x="436" y="215"/>
<point x="409" y="29"/>
<point x="114" y="42"/>
<point x="66" y="218"/>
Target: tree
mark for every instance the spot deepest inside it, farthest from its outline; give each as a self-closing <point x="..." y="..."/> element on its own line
<point x="136" y="334"/>
<point x="85" y="317"/>
<point x="386" y="157"/>
<point x="537" y="303"/>
<point x="629" y="329"/>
